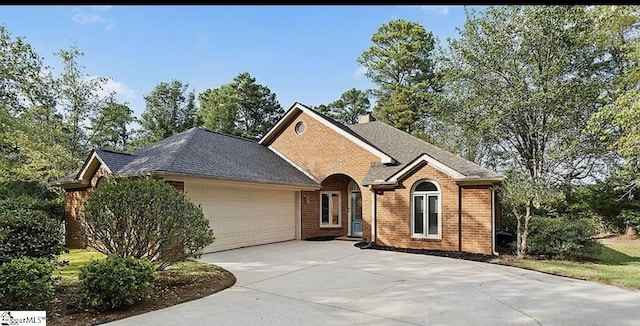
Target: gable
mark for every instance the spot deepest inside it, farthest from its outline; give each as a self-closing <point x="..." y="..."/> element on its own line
<point x="320" y="150"/>
<point x="91" y="166"/>
<point x="297" y="109"/>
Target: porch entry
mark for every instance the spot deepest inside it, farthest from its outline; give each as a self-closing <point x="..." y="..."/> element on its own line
<point x="355" y="210"/>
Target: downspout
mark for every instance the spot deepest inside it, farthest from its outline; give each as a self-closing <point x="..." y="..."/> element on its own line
<point x="493" y="222"/>
<point x="373" y="216"/>
<point x="459" y="218"/>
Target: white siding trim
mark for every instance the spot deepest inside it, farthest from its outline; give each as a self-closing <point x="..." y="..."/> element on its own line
<point x="90" y="162"/>
<point x="298" y="215"/>
<point x="430" y="161"/>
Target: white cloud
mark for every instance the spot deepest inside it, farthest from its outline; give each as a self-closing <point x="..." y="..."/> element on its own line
<point x="83" y="18"/>
<point x="438" y="10"/>
<point x="93" y="15"/>
<point x="360" y="72"/>
<point x="100" y="8"/>
<point x="121" y="90"/>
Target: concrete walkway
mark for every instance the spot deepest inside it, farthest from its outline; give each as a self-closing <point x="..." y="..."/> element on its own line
<point x="334" y="283"/>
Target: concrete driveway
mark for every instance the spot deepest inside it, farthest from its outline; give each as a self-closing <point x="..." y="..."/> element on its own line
<point x="334" y="283"/>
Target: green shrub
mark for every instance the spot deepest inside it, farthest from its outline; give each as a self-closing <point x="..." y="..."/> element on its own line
<point x="116" y="282"/>
<point x="29" y="233"/>
<point x="631" y="217"/>
<point x="53" y="208"/>
<point x="33" y="196"/>
<point x="145" y="218"/>
<point x="33" y="189"/>
<point x="561" y="237"/>
<point x="26" y="284"/>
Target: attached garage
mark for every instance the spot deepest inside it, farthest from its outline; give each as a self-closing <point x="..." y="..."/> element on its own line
<point x="245" y="215"/>
<point x="248" y="192"/>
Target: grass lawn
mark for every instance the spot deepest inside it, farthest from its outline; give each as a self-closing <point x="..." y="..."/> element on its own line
<point x="617" y="263"/>
<point x="78" y="258"/>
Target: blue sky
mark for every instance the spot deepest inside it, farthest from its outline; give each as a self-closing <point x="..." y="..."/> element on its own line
<point x="302" y="53"/>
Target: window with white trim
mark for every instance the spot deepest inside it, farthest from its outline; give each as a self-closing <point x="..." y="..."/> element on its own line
<point x="330" y="209"/>
<point x="425" y="211"/>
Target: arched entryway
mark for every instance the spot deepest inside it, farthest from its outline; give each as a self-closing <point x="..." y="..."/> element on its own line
<point x="335" y="210"/>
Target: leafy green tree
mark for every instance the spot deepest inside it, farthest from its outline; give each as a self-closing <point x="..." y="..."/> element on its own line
<point x="242" y="107"/>
<point x="27" y="96"/>
<point x="109" y="128"/>
<point x="401" y="63"/>
<point x="170" y="109"/>
<point x="618" y="123"/>
<point x="348" y="107"/>
<point x="521" y="196"/>
<point x="527" y="79"/>
<point x="79" y="100"/>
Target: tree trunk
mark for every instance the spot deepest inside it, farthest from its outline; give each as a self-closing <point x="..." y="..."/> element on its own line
<point x="523" y="232"/>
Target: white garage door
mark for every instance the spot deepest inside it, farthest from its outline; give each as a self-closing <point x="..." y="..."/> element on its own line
<point x="243" y="216"/>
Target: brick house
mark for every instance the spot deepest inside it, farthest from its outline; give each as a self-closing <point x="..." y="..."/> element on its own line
<point x="311" y="176"/>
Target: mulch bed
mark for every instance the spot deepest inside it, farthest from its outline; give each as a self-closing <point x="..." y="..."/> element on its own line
<point x="171" y="288"/>
<point x="440" y="253"/>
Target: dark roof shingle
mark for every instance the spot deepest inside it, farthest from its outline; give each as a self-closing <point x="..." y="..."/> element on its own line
<point x="205" y="153"/>
<point x="405" y="148"/>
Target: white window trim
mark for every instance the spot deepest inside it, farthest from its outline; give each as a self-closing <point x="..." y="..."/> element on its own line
<point x="339" y="225"/>
<point x="425" y="195"/>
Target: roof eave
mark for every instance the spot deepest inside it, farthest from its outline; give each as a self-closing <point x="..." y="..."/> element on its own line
<point x="193" y="175"/>
<point x="477" y="181"/>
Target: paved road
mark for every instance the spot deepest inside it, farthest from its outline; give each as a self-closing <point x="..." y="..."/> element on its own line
<point x="334" y="283"/>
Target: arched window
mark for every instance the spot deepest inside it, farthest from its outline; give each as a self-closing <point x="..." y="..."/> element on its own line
<point x="425" y="211"/>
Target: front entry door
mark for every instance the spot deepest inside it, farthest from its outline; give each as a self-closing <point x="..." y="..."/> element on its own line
<point x="356" y="213"/>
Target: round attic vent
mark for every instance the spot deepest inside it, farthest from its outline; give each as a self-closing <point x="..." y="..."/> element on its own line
<point x="300" y="127"/>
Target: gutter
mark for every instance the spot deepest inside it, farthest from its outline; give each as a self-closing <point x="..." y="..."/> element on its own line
<point x="374" y="214"/>
<point x="459" y="218"/>
<point x="493" y="222"/>
<point x="199" y="176"/>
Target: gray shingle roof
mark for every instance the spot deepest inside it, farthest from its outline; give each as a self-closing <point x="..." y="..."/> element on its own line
<point x="405" y="148"/>
<point x="201" y="152"/>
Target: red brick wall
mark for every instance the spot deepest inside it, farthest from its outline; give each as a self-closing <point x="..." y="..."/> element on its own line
<point x="74" y="199"/>
<point x="394" y="215"/>
<point x="323" y="152"/>
<point x="476" y="219"/>
<point x="310" y="226"/>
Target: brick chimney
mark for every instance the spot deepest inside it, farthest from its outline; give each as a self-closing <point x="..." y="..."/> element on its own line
<point x="366" y="117"/>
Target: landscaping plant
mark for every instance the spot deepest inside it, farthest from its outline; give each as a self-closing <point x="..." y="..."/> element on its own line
<point x="26" y="284"/>
<point x="145" y="218"/>
<point x="116" y="282"/>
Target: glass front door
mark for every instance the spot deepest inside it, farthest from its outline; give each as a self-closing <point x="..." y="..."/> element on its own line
<point x="356" y="213"/>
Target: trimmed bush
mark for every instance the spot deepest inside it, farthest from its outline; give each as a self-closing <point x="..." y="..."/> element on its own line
<point x="145" y="218"/>
<point x="29" y="233"/>
<point x="562" y="237"/>
<point x="26" y="284"/>
<point x="116" y="282"/>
